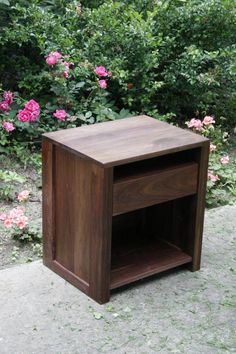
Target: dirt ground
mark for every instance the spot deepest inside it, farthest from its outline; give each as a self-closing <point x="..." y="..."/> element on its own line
<point x="12" y="251"/>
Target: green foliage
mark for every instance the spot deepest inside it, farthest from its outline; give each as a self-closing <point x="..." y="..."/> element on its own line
<point x="166" y="57"/>
<point x="221" y="185"/>
<point x="27" y="155"/>
<point x="122" y="38"/>
<point x="223" y="191"/>
<point x="198" y="58"/>
<point x="31" y="233"/>
<point x="37" y="249"/>
<point x="9" y="176"/>
<point x="8" y="183"/>
<point x="4" y="2"/>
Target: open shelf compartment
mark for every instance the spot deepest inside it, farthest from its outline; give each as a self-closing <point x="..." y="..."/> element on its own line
<point x="139" y="169"/>
<point x="149" y="241"/>
<point x="142" y="261"/>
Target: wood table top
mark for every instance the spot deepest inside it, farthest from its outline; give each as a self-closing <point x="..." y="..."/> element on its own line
<point x="125" y="140"/>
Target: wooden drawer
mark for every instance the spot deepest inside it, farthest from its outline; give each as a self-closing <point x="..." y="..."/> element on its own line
<point x="144" y="189"/>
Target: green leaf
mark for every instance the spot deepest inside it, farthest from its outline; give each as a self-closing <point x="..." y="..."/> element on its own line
<point x="80" y="84"/>
<point x="110" y="308"/>
<point x="5" y="2"/>
<point x="88" y="114"/>
<point x="97" y="315"/>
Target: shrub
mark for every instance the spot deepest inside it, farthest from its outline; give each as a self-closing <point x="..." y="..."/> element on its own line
<point x="198" y="58"/>
<point x="172" y="58"/>
<point x="221" y="185"/>
<point x="8" y="181"/>
<point x="80" y="97"/>
<point x="18" y="223"/>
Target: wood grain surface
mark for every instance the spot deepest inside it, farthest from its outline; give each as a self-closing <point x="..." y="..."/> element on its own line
<point x="198" y="208"/>
<point x="141" y="260"/>
<point x="121" y="201"/>
<point x="77" y="216"/>
<point x="48" y="203"/>
<point x="154" y="188"/>
<point x="71" y="230"/>
<point x="125" y="140"/>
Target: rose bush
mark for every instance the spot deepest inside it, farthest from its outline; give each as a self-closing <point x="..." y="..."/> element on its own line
<point x="221" y="185"/>
<point x="18" y="223"/>
<point x="171" y="58"/>
<point x="24" y="122"/>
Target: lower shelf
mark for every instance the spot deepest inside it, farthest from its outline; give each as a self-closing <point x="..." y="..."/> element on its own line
<point x="132" y="263"/>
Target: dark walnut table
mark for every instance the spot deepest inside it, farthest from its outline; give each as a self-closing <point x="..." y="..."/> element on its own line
<point x="122" y="200"/>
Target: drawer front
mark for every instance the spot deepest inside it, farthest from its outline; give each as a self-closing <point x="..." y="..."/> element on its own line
<point x="154" y="187"/>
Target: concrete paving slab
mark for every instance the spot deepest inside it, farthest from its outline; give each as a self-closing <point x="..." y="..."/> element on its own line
<point x="179" y="312"/>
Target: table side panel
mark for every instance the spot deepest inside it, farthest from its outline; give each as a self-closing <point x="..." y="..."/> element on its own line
<point x="47" y="202"/>
<point x="81" y="219"/>
<point x="65" y="222"/>
<point x="198" y="206"/>
<point x="71" y="228"/>
<point x="100" y="216"/>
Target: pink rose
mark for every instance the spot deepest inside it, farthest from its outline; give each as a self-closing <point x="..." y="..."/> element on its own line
<point x="23" y="196"/>
<point x="15" y="216"/>
<point x="15" y="213"/>
<point x="4" y="106"/>
<point x="56" y="55"/>
<point x="22" y="222"/>
<point x="212" y="147"/>
<point x="53" y="58"/>
<point x="9" y="127"/>
<point x="224" y="160"/>
<point x="32" y="105"/>
<point x="3" y="216"/>
<point x="101" y="71"/>
<point x="8" y="222"/>
<point x="208" y="120"/>
<point x="24" y="115"/>
<point x="60" y="114"/>
<point x="8" y="97"/>
<point x="30" y="113"/>
<point x="195" y="123"/>
<point x="102" y="84"/>
<point x="213" y="178"/>
<point x="34" y="116"/>
<point x="50" y="60"/>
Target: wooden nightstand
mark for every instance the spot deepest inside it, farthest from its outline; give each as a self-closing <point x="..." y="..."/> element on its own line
<point x="122" y="200"/>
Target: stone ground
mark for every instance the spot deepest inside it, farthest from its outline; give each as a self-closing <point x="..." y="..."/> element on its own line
<point x="179" y="312"/>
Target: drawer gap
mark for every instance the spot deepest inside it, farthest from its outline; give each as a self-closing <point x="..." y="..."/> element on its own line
<point x="151" y="166"/>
